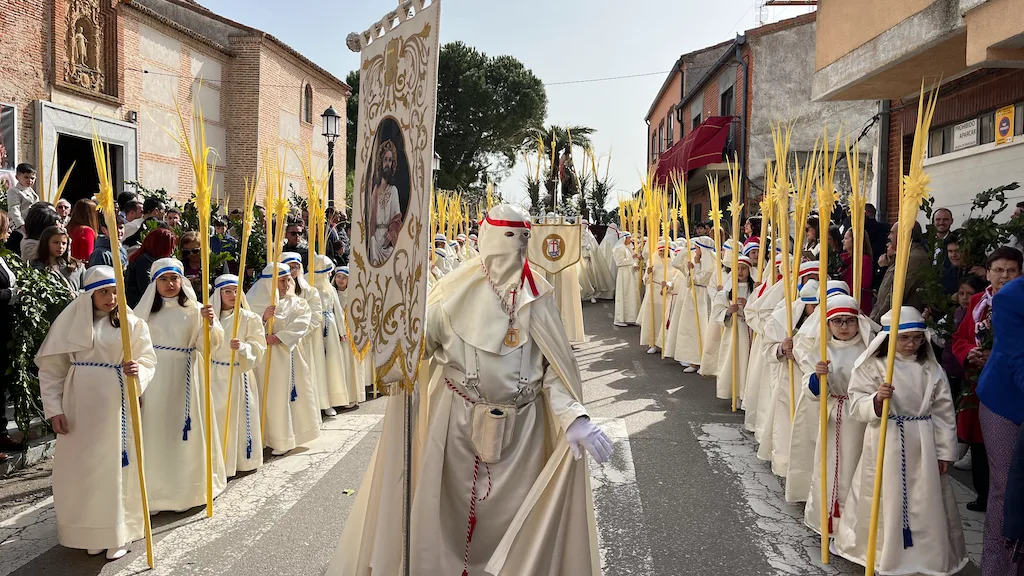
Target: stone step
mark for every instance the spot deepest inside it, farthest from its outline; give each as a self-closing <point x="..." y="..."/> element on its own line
<point x="40" y="444"/>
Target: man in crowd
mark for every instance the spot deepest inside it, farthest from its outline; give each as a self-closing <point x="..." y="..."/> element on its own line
<point x="173" y="218"/>
<point x="101" y="251"/>
<point x="64" y="211"/>
<point x="942" y="219"/>
<point x="919" y="259"/>
<point x="293" y="241"/>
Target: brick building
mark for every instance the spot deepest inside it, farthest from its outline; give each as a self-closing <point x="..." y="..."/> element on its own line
<point x="882" y="50"/>
<point x="730" y="95"/>
<point x="75" y="66"/>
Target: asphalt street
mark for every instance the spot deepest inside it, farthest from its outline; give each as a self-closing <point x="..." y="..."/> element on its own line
<point x="684" y="493"/>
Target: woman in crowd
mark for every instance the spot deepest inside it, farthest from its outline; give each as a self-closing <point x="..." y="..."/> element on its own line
<point x="812" y="239"/>
<point x="158" y="244"/>
<point x="95" y="479"/>
<point x="83" y="228"/>
<point x="40" y="217"/>
<point x="192" y="258"/>
<point x="52" y="256"/>
<point x="172" y="412"/>
<point x="919" y="530"/>
<point x="244" y="448"/>
<point x="867" y="269"/>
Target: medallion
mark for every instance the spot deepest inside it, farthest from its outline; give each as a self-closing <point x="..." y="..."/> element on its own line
<point x="512" y="338"/>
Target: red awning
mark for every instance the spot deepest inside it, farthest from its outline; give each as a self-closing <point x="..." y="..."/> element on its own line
<point x="701" y="147"/>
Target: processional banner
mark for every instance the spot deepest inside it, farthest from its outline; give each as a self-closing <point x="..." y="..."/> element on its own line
<point x="554" y="247"/>
<point x="391" y="202"/>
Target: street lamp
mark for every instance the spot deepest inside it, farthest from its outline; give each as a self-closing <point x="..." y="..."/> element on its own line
<point x="435" y="167"/>
<point x="332" y="129"/>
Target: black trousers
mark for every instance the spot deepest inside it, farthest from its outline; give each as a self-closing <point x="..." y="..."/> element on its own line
<point x="979" y="471"/>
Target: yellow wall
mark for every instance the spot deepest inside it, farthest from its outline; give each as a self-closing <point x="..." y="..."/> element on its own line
<point x="994" y="31"/>
<point x="843" y="25"/>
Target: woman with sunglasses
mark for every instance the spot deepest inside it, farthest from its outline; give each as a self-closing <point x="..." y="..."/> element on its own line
<point x="849" y="333"/>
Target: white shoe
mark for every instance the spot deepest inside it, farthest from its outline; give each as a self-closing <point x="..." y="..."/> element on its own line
<point x="965" y="463"/>
<point x="961" y="450"/>
<point x="622" y="324"/>
<point x="593" y="300"/>
<point x="330" y="412"/>
<point x="652" y="350"/>
<point x="116" y="553"/>
<point x="94" y="551"/>
<point x="278" y="452"/>
<point x="684" y="364"/>
<point x="691" y="369"/>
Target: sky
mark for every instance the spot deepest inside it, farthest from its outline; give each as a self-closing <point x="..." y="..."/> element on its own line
<point x="560" y="40"/>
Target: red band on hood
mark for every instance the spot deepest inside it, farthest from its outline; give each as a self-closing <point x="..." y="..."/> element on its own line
<point x="506" y="223"/>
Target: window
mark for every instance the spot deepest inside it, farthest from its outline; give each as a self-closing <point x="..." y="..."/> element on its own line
<point x="671" y="123"/>
<point x="970" y="132"/>
<point x="727" y="104"/>
<point x="654" y="148"/>
<point x="696" y="112"/>
<point x="661" y="138"/>
<point x="696" y="122"/>
<point x="307" y="104"/>
<point x="988" y="128"/>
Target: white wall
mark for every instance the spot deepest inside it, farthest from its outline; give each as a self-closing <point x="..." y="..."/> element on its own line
<point x="959" y="176"/>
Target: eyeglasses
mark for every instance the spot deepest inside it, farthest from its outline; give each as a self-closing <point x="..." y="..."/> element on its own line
<point x="911" y="338"/>
<point x="843" y="322"/>
<point x="195" y="251"/>
<point x="1004" y="271"/>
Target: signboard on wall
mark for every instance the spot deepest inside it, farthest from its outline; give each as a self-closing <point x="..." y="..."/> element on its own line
<point x="1004" y="125"/>
<point x="8" y="136"/>
<point x="965" y="135"/>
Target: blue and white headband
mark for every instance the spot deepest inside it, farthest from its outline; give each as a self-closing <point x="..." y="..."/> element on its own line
<point x="909" y="326"/>
<point x="343" y="270"/>
<point x="226" y="282"/>
<point x="99" y="284"/>
<point x="165" y="270"/>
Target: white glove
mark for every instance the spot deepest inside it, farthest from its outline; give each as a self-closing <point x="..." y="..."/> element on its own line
<point x="583" y="432"/>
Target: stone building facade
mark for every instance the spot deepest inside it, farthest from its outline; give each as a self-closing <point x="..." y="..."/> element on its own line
<point x="121" y="68"/>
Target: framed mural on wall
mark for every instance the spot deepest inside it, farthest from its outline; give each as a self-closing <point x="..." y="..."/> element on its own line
<point x="8" y="136"/>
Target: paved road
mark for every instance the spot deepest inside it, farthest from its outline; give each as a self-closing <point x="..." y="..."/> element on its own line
<point x="683" y="495"/>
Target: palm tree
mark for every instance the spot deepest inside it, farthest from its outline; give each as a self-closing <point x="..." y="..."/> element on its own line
<point x="557" y="138"/>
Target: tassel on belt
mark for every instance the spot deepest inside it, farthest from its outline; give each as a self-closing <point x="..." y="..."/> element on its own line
<point x="124" y="419"/>
<point x="834" y="513"/>
<point x="245" y="400"/>
<point x="188" y="385"/>
<point x="908" y="539"/>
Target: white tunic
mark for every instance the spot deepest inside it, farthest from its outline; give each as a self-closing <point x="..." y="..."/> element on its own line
<point x="313" y="346"/>
<point x="922" y="398"/>
<point x="387" y="206"/>
<point x="842" y="355"/>
<point x="244" y="449"/>
<point x="173" y="411"/>
<point x="339" y="373"/>
<point x="651" y="316"/>
<point x="292" y="411"/>
<point x="607" y="270"/>
<point x="627" y="286"/>
<point x="357" y="374"/>
<point x="95" y="493"/>
<point x="585" y="267"/>
<point x="760" y="391"/>
<point x="567" y="299"/>
<point x="722" y="319"/>
<point x="780" y="425"/>
<point x="713" y="335"/>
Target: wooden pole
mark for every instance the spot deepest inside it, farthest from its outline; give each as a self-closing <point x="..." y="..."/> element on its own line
<point x="107" y="207"/>
<point x="858" y="203"/>
<point x="735" y="208"/>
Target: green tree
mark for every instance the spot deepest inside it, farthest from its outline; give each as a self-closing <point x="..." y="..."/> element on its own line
<point x="351" y="120"/>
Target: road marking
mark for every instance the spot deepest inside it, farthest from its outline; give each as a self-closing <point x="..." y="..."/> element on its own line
<point x="788" y="545"/>
<point x="674" y="390"/>
<point x="624" y="548"/>
<point x="252" y="504"/>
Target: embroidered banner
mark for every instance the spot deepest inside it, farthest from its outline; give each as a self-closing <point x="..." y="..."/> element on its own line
<point x="391" y="203"/>
<point x="554" y="247"/>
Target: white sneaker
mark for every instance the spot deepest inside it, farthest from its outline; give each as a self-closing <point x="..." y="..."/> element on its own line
<point x="965" y="463"/>
<point x="276" y="452"/>
<point x="330" y="412"/>
<point x="94" y="551"/>
<point x="684" y="364"/>
<point x="652" y="350"/>
<point x="691" y="369"/>
<point x="593" y="300"/>
<point x="116" y="553"/>
<point x="622" y="324"/>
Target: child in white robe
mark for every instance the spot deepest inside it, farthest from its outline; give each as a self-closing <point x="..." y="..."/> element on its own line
<point x="95" y="480"/>
<point x="244" y="448"/>
<point x="723" y="313"/>
<point x="173" y="409"/>
<point x="713" y="335"/>
<point x="919" y="529"/>
<point x="627" y="281"/>
<point x="312" y="341"/>
<point x="850" y="332"/>
<point x="352" y="375"/>
<point x="651" y="316"/>
<point x="288" y="400"/>
<point x="342" y="389"/>
<point x="757" y="385"/>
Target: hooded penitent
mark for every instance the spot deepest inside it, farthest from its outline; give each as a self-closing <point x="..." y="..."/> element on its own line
<point x="292" y="412"/>
<point x="627" y="281"/>
<point x="919" y="529"/>
<point x="173" y="408"/>
<point x="244" y="448"/>
<point x="496" y="346"/>
<point x="95" y="478"/>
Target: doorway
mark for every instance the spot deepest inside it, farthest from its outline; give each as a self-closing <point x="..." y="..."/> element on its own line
<point x="83" y="182"/>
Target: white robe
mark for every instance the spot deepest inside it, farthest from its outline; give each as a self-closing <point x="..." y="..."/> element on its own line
<point x="842" y="355"/>
<point x="780" y="426"/>
<point x="713" y="336"/>
<point x="176" y="466"/>
<point x="657" y="294"/>
<point x="585" y="267"/>
<point x="567" y="299"/>
<point x="760" y="391"/>
<point x="606" y="273"/>
<point x="313" y="345"/>
<point x="921" y="390"/>
<point x="532" y="508"/>
<point x="355" y="371"/>
<point x="340" y="377"/>
<point x="684" y="344"/>
<point x="387" y="207"/>
<point x="292" y="411"/>
<point x="244" y="449"/>
<point x="627" y="286"/>
<point x="95" y="496"/>
<point x="721" y="318"/>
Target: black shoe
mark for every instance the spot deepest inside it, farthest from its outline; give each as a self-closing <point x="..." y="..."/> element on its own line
<point x="978" y="505"/>
<point x="9" y="445"/>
